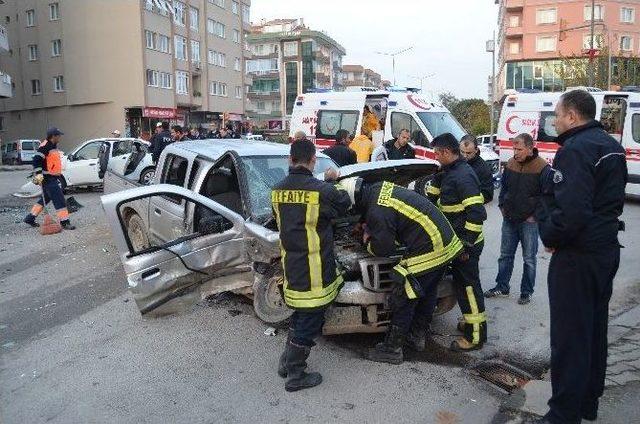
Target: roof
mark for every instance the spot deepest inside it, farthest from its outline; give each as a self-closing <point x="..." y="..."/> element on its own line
<point x="294" y="35"/>
<point x="214" y="148"/>
<point x="352" y="68"/>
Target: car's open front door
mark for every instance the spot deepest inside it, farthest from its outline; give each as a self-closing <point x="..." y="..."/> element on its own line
<point x="165" y="276"/>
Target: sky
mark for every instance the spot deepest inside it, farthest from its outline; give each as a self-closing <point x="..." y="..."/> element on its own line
<point x="448" y="37"/>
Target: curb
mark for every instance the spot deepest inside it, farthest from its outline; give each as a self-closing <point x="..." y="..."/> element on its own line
<point x="9" y="168"/>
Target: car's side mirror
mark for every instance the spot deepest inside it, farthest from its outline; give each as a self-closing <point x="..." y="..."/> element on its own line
<point x="71" y="158"/>
<point x="216" y="224"/>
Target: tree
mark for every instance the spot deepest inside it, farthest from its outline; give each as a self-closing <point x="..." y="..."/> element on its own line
<point x="625" y="70"/>
<point x="473" y="115"/>
<point x="448" y="100"/>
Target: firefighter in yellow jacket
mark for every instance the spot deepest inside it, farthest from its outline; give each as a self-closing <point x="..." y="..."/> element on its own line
<point x="304" y="207"/>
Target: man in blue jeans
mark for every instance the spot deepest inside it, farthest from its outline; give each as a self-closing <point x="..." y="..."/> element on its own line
<point x="519" y="195"/>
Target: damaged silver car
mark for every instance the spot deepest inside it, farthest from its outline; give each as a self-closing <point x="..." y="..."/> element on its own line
<point x="206" y="226"/>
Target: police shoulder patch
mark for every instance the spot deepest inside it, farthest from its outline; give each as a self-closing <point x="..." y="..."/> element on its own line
<point x="557" y="176"/>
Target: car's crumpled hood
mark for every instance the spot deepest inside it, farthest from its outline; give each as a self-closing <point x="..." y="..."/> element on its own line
<point x="400" y="172"/>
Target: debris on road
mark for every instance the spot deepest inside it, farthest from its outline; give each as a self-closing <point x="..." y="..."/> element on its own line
<point x="234" y="312"/>
<point x="270" y="331"/>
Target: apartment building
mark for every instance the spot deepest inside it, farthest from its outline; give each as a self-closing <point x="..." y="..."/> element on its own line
<point x="90" y="67"/>
<point x="5" y="79"/>
<point x="358" y="75"/>
<point x="288" y="59"/>
<point x="534" y="35"/>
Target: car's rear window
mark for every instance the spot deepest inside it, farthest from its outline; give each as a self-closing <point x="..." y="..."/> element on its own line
<point x="30" y="145"/>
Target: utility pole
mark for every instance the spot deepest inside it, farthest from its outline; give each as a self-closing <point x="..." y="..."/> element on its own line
<point x="591" y="51"/>
<point x="491" y="48"/>
<point x="393" y="59"/>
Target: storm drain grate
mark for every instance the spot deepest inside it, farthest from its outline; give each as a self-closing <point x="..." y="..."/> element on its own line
<point x="501" y="375"/>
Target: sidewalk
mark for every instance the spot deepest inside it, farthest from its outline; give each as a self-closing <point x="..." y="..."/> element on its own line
<point x="622" y="391"/>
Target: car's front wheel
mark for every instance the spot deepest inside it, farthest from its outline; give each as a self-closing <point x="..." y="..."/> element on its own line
<point x="146" y="176"/>
<point x="268" y="301"/>
<point x="137" y="233"/>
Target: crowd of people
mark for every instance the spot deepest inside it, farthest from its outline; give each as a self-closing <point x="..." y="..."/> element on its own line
<point x="574" y="208"/>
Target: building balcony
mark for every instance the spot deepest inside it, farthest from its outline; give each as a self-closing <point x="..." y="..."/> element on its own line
<point x="272" y="55"/>
<point x="514" y="5"/>
<point x="514" y="32"/>
<point x="196" y="68"/>
<point x="5" y="86"/>
<point x="262" y="95"/>
<point x="271" y="73"/>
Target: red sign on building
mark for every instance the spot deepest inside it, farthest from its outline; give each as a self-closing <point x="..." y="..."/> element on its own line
<point x="159" y="112"/>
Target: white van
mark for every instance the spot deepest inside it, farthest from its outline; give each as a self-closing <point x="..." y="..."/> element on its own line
<point x="19" y="152"/>
<point x="533" y="113"/>
<point x="321" y="115"/>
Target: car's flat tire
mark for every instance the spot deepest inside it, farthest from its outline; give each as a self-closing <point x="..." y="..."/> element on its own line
<point x="137" y="234"/>
<point x="268" y="302"/>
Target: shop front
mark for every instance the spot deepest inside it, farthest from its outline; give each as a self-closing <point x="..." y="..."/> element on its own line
<point x="141" y="121"/>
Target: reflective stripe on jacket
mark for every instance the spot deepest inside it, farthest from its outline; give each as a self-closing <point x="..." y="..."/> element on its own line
<point x="395" y="215"/>
<point x="304" y="207"/>
<point x="456" y="191"/>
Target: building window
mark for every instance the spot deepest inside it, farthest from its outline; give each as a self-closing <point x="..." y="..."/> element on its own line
<point x="179" y="13"/>
<point x="238" y="92"/>
<point x="218" y="88"/>
<point x="54" y="11"/>
<point x="182" y="82"/>
<point x="36" y="88"/>
<point x="217" y="2"/>
<point x="58" y="83"/>
<point x="546" y="16"/>
<point x="150" y="39"/>
<point x="546" y="44"/>
<point x="514" y="48"/>
<point x="163" y="44"/>
<point x="31" y="18"/>
<point x="598" y="41"/>
<point x="626" y="43"/>
<point x="216" y="28"/>
<point x="195" y="51"/>
<point x="166" y="80"/>
<point x="262" y="66"/>
<point x="234" y="7"/>
<point x="236" y="36"/>
<point x="181" y="47"/>
<point x="260" y="105"/>
<point x="56" y="48"/>
<point x="291" y="48"/>
<point x="152" y="78"/>
<point x="245" y="14"/>
<point x="217" y="58"/>
<point x="236" y="64"/>
<point x="598" y="12"/>
<point x="627" y="15"/>
<point x="194" y="18"/>
<point x="514" y="21"/>
<point x="33" y="52"/>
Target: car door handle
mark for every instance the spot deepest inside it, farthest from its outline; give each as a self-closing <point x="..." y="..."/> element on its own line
<point x="150" y="273"/>
<point x="157" y="211"/>
<point x="92" y="164"/>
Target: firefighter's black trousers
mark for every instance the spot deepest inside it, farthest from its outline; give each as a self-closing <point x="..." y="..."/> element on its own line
<point x="466" y="281"/>
<point x="307" y="326"/>
<point x="404" y="310"/>
<point x="580" y="286"/>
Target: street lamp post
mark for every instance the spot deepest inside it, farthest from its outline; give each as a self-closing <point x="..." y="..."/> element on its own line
<point x="591" y="53"/>
<point x="393" y="59"/>
<point x="491" y="48"/>
<point x="422" y="78"/>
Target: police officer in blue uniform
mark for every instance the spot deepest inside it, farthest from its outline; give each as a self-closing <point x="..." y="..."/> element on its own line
<point x="579" y="223"/>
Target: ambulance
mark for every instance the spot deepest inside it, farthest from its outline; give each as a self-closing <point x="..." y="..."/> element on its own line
<point x="320" y="115"/>
<point x="533" y="113"/>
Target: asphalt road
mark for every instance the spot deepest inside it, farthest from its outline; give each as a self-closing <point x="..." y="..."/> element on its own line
<point x="74" y="349"/>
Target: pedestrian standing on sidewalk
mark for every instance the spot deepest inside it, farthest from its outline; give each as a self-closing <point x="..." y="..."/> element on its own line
<point x="579" y="225"/>
<point x="47" y="169"/>
<point x="470" y="152"/>
<point x="519" y="195"/>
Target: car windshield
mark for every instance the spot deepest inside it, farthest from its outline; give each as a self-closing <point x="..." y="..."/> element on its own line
<point x="440" y="123"/>
<point x="263" y="173"/>
<point x="30" y="145"/>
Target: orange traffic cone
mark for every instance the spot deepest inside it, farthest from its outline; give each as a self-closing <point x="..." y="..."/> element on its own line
<point x="50" y="225"/>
